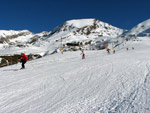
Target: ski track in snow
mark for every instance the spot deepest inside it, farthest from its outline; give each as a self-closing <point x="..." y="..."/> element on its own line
<point x="64" y="83"/>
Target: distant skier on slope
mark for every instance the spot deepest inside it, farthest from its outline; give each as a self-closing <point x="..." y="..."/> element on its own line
<point x="61" y="50"/>
<point x="23" y="60"/>
<point x="113" y="51"/>
<point x="83" y="54"/>
<point x="108" y="50"/>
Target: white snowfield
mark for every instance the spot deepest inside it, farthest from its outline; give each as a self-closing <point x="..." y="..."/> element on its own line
<point x="64" y="83"/>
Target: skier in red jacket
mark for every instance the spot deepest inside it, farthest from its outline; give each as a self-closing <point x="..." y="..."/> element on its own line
<point x="24" y="59"/>
<point x="83" y="54"/>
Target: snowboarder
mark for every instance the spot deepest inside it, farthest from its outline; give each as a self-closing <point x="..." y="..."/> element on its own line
<point x="127" y="48"/>
<point x="24" y="59"/>
<point x="133" y="48"/>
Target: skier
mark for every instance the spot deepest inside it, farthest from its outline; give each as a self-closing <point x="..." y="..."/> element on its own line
<point x="83" y="54"/>
<point x="61" y="50"/>
<point x="113" y="51"/>
<point x="24" y="59"/>
<point x="108" y="50"/>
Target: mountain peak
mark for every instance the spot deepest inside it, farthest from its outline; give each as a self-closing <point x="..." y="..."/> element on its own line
<point x="145" y="23"/>
<point x="140" y="28"/>
<point x="79" y="23"/>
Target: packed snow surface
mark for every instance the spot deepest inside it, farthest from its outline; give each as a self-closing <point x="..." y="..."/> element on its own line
<point x="64" y="83"/>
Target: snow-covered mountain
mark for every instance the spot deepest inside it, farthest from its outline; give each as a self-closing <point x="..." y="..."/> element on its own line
<point x="14" y="37"/>
<point x="84" y="32"/>
<point x="79" y="31"/>
<point x="6" y="36"/>
<point x="85" y="29"/>
<point x="6" y="33"/>
<point x="142" y="29"/>
<point x="13" y="42"/>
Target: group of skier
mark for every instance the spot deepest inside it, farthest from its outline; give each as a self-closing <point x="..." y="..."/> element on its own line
<point x="108" y="51"/>
<point x="113" y="50"/>
<point x="24" y="58"/>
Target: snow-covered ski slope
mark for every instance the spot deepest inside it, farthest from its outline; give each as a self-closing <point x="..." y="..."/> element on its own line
<point x="64" y="83"/>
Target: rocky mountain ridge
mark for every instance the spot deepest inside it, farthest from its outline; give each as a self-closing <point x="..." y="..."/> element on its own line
<point x="83" y="31"/>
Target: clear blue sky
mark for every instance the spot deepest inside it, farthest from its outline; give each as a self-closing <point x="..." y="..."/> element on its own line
<point x="44" y="15"/>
